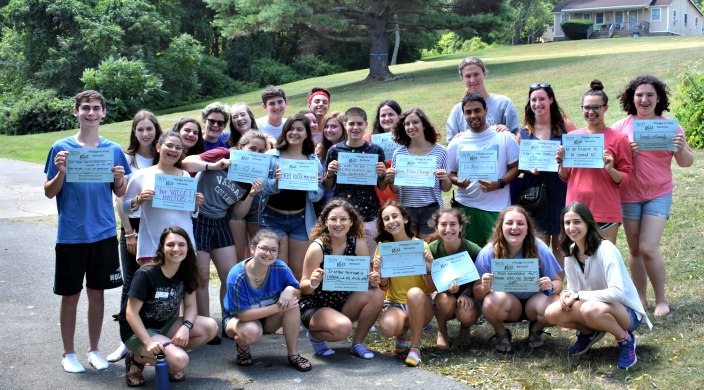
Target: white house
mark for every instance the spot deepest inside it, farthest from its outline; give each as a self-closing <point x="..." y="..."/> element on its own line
<point x="632" y="17"/>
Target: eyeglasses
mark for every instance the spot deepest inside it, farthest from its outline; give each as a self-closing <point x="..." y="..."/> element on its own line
<point x="215" y="122"/>
<point x="173" y="147"/>
<point x="340" y="220"/>
<point x="270" y="250"/>
<point x="539" y="85"/>
<point x="595" y="108"/>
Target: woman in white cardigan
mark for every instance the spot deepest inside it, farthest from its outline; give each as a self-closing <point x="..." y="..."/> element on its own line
<point x="601" y="297"/>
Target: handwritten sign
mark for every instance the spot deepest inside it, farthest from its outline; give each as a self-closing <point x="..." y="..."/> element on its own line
<point x="538" y="154"/>
<point x="655" y="134"/>
<point x="174" y="192"/>
<point x="415" y="171"/>
<point x="402" y="258"/>
<point x="386" y="142"/>
<point x="90" y="165"/>
<point x="298" y="175"/>
<point x="583" y="150"/>
<point x="246" y="167"/>
<point x="455" y="268"/>
<point x="478" y="164"/>
<point x="357" y="168"/>
<point x="515" y="275"/>
<point x="346" y="273"/>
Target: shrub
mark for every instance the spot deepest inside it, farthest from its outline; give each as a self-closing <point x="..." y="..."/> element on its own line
<point x="179" y="67"/>
<point x="213" y="80"/>
<point x="689" y="109"/>
<point x="267" y="71"/>
<point x="473" y="44"/>
<point x="576" y="28"/>
<point x="127" y="86"/>
<point x="37" y="111"/>
<point x="310" y="65"/>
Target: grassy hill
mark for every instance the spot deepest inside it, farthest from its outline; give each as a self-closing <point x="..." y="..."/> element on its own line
<point x="670" y="354"/>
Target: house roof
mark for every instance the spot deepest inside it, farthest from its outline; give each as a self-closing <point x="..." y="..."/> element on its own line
<point x="583" y="5"/>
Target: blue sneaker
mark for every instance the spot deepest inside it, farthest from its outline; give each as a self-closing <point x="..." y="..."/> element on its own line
<point x="585" y="341"/>
<point x="627" y="352"/>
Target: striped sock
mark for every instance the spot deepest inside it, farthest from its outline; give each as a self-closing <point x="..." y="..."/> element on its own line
<point x="319" y="346"/>
<point x="413" y="358"/>
<point x="401" y="345"/>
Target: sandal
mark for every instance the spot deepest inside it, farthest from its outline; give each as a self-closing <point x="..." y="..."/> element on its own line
<point x="244" y="358"/>
<point x="535" y="339"/>
<point x="177" y="377"/>
<point x="133" y="378"/>
<point x="299" y="363"/>
<point x="503" y="341"/>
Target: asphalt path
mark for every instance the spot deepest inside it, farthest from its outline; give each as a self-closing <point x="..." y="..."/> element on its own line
<point x="30" y="345"/>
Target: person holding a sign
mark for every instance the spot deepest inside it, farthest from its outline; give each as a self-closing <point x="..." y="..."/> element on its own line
<point x="545" y="121"/>
<point x="457" y="302"/>
<point x="86" y="239"/>
<point x="408" y="303"/>
<point x="363" y="197"/>
<point x="191" y="135"/>
<point x="140" y="153"/>
<point x="646" y="198"/>
<point x="387" y="113"/>
<point x="290" y="212"/>
<point x="601" y="298"/>
<point x="149" y="321"/>
<point x="262" y="295"/>
<point x="329" y="314"/>
<point x="482" y="197"/>
<point x="514" y="238"/>
<point x="418" y="138"/>
<point x="212" y="226"/>
<point x="142" y="191"/>
<point x="501" y="113"/>
<point x="599" y="188"/>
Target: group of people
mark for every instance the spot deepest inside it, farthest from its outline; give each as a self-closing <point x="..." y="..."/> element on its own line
<point x="269" y="244"/>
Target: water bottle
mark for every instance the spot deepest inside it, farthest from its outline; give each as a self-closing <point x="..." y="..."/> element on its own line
<point x="161" y="369"/>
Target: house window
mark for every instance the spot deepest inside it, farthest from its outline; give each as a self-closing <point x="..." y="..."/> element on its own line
<point x="655" y="15"/>
<point x="564" y="17"/>
<point x="696" y="21"/>
<point x="674" y="16"/>
<point x="685" y="20"/>
<point x="618" y="17"/>
<point x="587" y="16"/>
<point x="599" y="18"/>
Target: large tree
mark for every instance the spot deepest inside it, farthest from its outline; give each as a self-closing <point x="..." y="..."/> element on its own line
<point x="356" y="21"/>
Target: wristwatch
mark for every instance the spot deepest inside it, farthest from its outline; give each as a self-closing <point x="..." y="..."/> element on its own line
<point x="502" y="183"/>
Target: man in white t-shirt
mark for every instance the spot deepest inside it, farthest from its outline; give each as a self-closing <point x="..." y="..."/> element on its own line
<point x="482" y="200"/>
<point x="274" y="102"/>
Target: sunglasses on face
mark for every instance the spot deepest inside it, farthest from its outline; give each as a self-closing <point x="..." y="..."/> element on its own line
<point x="214" y="122"/>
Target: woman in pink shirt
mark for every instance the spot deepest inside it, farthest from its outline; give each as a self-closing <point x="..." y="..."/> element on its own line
<point x="646" y="198"/>
<point x="599" y="188"/>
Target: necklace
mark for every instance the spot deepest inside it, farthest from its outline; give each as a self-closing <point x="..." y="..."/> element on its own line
<point x="258" y="282"/>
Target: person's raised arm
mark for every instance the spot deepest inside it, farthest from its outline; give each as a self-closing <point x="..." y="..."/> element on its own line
<point x="54" y="185"/>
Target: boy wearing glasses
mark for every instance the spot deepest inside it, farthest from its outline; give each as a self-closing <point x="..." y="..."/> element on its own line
<point x="214" y="120"/>
<point x="275" y="103"/>
<point x="86" y="240"/>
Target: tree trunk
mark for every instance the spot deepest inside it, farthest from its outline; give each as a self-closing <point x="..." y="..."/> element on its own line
<point x="397" y="41"/>
<point x="379" y="48"/>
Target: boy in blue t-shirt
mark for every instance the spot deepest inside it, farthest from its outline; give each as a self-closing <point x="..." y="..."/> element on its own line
<point x="86" y="242"/>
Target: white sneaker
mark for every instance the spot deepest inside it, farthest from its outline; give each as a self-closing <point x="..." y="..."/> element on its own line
<point x="70" y="364"/>
<point x="119" y="353"/>
<point x="97" y="361"/>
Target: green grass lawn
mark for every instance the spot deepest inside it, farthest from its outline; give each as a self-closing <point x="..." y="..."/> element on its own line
<point x="669" y="355"/>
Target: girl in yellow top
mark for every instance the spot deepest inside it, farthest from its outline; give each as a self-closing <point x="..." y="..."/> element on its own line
<point x="408" y="303"/>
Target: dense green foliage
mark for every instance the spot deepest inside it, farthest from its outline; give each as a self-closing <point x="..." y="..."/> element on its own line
<point x="576" y="28"/>
<point x="690" y="107"/>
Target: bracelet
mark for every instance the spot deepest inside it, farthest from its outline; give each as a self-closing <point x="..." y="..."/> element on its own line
<point x="313" y="287"/>
<point x="381" y="178"/>
<point x="454" y="181"/>
<point x="122" y="183"/>
<point x="133" y="234"/>
<point x="187" y="324"/>
<point x="383" y="285"/>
